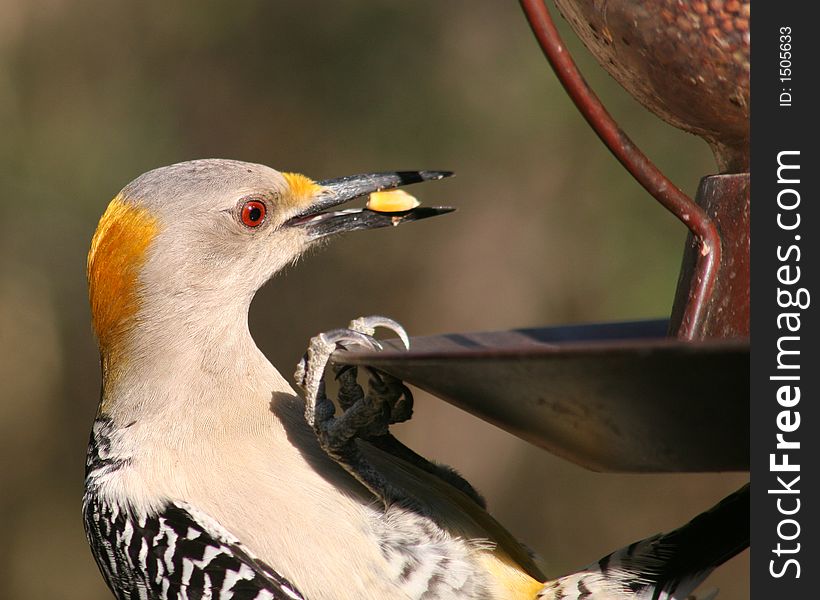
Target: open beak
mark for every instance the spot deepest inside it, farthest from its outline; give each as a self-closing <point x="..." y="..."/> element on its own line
<point x="319" y="222"/>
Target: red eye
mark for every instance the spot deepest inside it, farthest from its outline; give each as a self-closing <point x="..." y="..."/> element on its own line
<point x="253" y="213"/>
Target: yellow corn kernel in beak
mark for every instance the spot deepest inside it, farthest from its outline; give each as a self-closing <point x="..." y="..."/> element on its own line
<point x="391" y="201"/>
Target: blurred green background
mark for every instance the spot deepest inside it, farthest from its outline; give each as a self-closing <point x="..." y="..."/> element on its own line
<point x="549" y="230"/>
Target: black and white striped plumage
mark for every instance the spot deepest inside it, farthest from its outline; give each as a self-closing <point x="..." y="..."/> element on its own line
<point x="176" y="553"/>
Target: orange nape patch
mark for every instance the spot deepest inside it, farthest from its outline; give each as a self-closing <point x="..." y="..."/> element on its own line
<point x="117" y="253"/>
<point x="302" y="189"/>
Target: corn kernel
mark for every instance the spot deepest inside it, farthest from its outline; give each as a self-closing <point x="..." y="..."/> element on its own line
<point x="391" y="201"/>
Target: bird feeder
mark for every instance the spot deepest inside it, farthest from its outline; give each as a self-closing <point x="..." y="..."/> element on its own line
<point x="649" y="396"/>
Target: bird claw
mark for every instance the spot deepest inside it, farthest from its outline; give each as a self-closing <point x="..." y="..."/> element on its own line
<point x="389" y="400"/>
<point x="368" y="325"/>
<point x="310" y="370"/>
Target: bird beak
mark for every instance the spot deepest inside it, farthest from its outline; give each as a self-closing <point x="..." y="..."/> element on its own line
<point x="319" y="222"/>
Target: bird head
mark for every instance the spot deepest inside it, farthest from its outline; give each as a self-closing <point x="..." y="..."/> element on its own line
<point x="191" y="243"/>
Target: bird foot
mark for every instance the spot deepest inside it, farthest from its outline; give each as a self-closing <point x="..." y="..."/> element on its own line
<point x="364" y="415"/>
<point x="311" y="369"/>
<point x="383" y="388"/>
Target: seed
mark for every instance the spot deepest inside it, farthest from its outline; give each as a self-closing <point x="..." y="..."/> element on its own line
<point x="391" y="201"/>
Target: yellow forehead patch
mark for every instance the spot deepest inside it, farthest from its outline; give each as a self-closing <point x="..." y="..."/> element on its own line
<point x="302" y="188"/>
<point x="117" y="253"/>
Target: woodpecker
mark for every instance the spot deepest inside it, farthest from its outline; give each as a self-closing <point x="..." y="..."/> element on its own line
<point x="208" y="476"/>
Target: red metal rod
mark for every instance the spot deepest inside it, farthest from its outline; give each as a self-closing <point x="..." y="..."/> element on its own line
<point x="635" y="161"/>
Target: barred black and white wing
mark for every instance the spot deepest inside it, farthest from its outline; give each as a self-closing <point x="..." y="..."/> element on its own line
<point x="666" y="566"/>
<point x="178" y="553"/>
<point x="175" y="553"/>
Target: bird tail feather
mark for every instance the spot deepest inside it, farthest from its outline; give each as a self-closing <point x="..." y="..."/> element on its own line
<point x="665" y="566"/>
